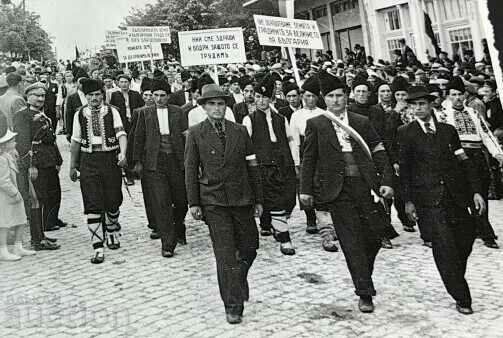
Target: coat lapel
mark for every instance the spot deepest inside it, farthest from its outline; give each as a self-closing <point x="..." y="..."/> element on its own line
<point x="210" y="136"/>
<point x="154" y="120"/>
<point x="332" y="135"/>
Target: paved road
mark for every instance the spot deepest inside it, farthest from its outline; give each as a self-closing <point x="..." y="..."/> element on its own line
<point x="137" y="293"/>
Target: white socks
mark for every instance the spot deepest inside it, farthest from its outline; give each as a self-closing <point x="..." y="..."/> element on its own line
<point x="5" y="255"/>
<point x="20" y="251"/>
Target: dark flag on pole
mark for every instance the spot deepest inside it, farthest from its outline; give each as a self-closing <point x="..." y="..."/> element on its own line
<point x="430" y="33"/>
<point x="77" y="54"/>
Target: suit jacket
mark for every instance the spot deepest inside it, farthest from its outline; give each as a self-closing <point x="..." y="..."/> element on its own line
<point x="323" y="157"/>
<point x="375" y="115"/>
<point x="214" y="176"/>
<point x="240" y="110"/>
<point x="135" y="101"/>
<point x="429" y="166"/>
<point x="392" y="121"/>
<point x="177" y="98"/>
<point x="147" y="137"/>
<point x="73" y="103"/>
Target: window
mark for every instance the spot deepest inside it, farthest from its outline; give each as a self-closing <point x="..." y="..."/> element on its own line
<point x="393" y="46"/>
<point x="460" y="40"/>
<point x="392" y="20"/>
<point x="453" y="9"/>
<point x="319" y="12"/>
<point x="302" y="15"/>
<point x="340" y="6"/>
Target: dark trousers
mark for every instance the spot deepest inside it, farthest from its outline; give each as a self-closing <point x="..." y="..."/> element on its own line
<point x="34" y="216"/>
<point x="484" y="227"/>
<point x="147" y="201"/>
<point x="452" y="235"/>
<point x="166" y="190"/>
<point x="234" y="236"/>
<point x="48" y="189"/>
<point x="359" y="241"/>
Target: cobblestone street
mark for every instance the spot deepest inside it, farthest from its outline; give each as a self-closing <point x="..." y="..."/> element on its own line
<point x="138" y="293"/>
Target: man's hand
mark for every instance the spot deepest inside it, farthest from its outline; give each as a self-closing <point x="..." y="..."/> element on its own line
<point x="479" y="202"/>
<point x="74" y="174"/>
<point x="499" y="158"/>
<point x="121" y="160"/>
<point x="33" y="172"/>
<point x="396" y="167"/>
<point x="138" y="168"/>
<point x="196" y="212"/>
<point x="307" y="200"/>
<point x="410" y="210"/>
<point x="259" y="210"/>
<point x="386" y="192"/>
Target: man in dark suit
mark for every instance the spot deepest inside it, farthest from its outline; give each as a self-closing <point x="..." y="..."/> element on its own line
<point x="440" y="189"/>
<point x="158" y="154"/>
<point x="181" y="97"/>
<point x="51" y="92"/>
<point x="126" y="101"/>
<point x="348" y="157"/>
<point x="223" y="187"/>
<point x="246" y="107"/>
<point x="73" y="102"/>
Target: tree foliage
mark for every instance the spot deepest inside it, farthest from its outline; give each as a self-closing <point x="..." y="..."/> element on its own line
<point x="189" y="15"/>
<point x="21" y="35"/>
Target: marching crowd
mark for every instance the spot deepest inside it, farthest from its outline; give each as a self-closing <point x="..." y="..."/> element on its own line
<point x="350" y="141"/>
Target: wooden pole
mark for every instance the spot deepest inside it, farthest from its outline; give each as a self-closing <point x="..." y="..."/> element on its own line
<point x="215" y="69"/>
<point x="293" y="60"/>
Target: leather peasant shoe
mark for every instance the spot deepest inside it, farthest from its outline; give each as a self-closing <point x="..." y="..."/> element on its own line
<point x="265" y="231"/>
<point x="52" y="240"/>
<point x="45" y="245"/>
<point x="366" y="305"/>
<point x="312" y="229"/>
<point x="155" y="235"/>
<point x="465" y="310"/>
<point x="329" y="245"/>
<point x="113" y="241"/>
<point x="233" y="318"/>
<point x="98" y="258"/>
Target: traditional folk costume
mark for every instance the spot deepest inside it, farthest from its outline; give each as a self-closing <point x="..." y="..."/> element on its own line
<point x="474" y="135"/>
<point x="273" y="143"/>
<point x="97" y="131"/>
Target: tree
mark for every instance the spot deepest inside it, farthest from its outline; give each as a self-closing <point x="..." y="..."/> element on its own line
<point x="191" y="15"/>
<point x="21" y="35"/>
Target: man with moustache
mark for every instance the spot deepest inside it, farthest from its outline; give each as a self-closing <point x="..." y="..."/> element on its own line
<point x="349" y="158"/>
<point x="98" y="152"/>
<point x="158" y="156"/>
<point x="223" y="188"/>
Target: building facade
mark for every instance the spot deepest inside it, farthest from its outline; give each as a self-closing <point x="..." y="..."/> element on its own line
<point x="378" y="25"/>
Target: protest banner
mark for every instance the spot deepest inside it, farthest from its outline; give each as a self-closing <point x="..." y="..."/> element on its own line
<point x="212" y="46"/>
<point x="149" y="34"/>
<point x="133" y="52"/>
<point x="285" y="32"/>
<point x="111" y="36"/>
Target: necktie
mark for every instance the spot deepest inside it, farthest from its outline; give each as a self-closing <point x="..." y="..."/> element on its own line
<point x="220" y="132"/>
<point x="429" y="129"/>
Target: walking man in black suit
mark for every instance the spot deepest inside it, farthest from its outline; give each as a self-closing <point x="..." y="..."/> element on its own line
<point x="440" y="189"/>
<point x="223" y="187"/>
<point x="159" y="147"/>
<point x="347" y="155"/>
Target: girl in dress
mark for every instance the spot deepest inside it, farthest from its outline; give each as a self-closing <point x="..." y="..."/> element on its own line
<point x="12" y="213"/>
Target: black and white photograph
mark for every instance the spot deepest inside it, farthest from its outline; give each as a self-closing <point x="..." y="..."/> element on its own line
<point x="251" y="168"/>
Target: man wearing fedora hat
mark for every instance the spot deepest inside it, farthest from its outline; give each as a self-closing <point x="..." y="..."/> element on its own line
<point x="474" y="134"/>
<point x="98" y="151"/>
<point x="223" y="188"/>
<point x="159" y="146"/>
<point x="441" y="188"/>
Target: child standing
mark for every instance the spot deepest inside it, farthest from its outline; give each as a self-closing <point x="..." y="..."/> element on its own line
<point x="12" y="214"/>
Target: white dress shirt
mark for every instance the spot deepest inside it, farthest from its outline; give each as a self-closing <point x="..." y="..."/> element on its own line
<point x="163" y="118"/>
<point x="342" y="136"/>
<point x="198" y="115"/>
<point x="298" y="127"/>
<point x="95" y="139"/>
<point x="423" y="127"/>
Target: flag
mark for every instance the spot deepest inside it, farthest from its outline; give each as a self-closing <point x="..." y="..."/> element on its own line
<point x="77" y="54"/>
<point x="430" y="33"/>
